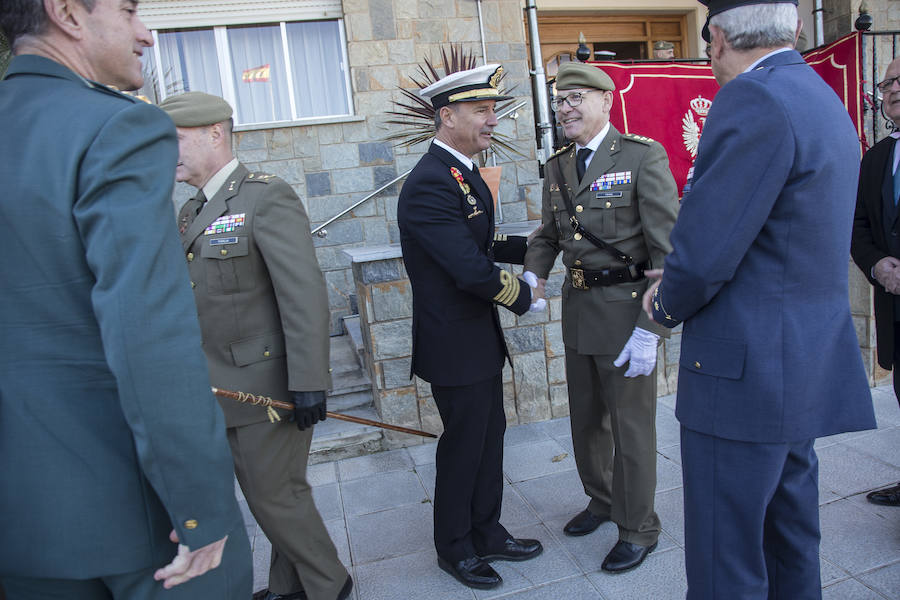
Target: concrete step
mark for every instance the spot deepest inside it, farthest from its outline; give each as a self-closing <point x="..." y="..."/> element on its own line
<point x="351" y="387"/>
<point x="354" y="335"/>
<point x="334" y="439"/>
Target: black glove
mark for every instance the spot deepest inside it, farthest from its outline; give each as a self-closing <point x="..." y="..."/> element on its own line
<point x="309" y="408"/>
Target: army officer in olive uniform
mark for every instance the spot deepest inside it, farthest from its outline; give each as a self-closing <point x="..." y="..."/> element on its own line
<point x="624" y="196"/>
<point x="263" y="314"/>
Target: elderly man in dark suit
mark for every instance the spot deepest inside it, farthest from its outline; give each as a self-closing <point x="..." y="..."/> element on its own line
<point x="112" y="448"/>
<point x="622" y="193"/>
<point x="446" y="218"/>
<point x="758" y="275"/>
<point x="876" y="242"/>
<point x="263" y="313"/>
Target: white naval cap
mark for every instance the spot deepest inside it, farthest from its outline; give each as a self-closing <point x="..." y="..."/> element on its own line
<point x="479" y="83"/>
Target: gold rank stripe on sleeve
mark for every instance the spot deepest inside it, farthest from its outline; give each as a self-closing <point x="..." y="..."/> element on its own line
<point x="510" y="291"/>
<point x="658" y="305"/>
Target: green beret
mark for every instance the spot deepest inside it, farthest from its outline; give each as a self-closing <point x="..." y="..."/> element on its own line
<point x="663" y="45"/>
<point x="573" y="75"/>
<point x="196" y="109"/>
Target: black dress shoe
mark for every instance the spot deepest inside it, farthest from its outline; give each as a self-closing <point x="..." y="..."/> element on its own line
<point x="515" y="549"/>
<point x="345" y="591"/>
<point x="625" y="556"/>
<point x="265" y="594"/>
<point x="886" y="497"/>
<point x="472" y="572"/>
<point x="583" y="523"/>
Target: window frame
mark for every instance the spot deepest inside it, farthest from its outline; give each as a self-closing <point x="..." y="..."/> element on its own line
<point x="227" y="77"/>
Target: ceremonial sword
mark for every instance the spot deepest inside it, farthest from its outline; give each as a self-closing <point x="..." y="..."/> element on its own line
<point x="271" y="404"/>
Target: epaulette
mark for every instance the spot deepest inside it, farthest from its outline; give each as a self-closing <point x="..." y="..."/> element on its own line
<point x="261" y="177"/>
<point x="638" y="138"/>
<point x="562" y="150"/>
<point x="111" y="91"/>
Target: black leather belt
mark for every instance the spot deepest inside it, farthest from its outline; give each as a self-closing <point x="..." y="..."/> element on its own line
<point x="583" y="279"/>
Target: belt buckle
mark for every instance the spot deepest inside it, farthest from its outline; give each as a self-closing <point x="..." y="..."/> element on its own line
<point x="578" y="279"/>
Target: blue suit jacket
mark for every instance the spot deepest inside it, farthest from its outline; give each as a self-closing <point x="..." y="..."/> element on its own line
<point x="759" y="267"/>
<point x="109" y="435"/>
<point x="449" y="249"/>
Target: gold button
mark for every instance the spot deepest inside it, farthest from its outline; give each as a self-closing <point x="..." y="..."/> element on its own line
<point x="577" y="236"/>
<point x="696" y="364"/>
<point x="267" y="354"/>
<point x="555" y="207"/>
<point x="190" y="256"/>
<point x="579" y="208"/>
<point x="190" y="524"/>
<point x="634" y="294"/>
<point x="223" y="252"/>
<point x="608" y="204"/>
<point x="578" y="263"/>
<point x="193" y="285"/>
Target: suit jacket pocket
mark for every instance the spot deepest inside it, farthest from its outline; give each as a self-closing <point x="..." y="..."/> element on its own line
<point x="228" y="269"/>
<point x="624" y="292"/>
<point x="608" y="201"/>
<point x="713" y="356"/>
<point x="258" y="348"/>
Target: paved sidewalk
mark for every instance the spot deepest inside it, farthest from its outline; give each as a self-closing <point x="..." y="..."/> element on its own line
<point x="379" y="514"/>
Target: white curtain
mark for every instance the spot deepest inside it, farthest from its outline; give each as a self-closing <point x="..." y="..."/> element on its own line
<point x="258" y="100"/>
<point x="189" y="61"/>
<point x="320" y="86"/>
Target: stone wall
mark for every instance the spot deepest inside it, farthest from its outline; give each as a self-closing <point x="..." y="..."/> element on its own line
<point x="334" y="165"/>
<point x="534" y="390"/>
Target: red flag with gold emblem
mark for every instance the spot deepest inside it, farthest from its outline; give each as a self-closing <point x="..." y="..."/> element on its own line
<point x="669" y="101"/>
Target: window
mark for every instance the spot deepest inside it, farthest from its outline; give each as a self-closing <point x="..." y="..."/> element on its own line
<point x="270" y="72"/>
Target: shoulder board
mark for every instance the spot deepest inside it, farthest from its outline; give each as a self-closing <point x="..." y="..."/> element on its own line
<point x="638" y="138"/>
<point x="261" y="177"/>
<point x="112" y="92"/>
<point x="562" y="150"/>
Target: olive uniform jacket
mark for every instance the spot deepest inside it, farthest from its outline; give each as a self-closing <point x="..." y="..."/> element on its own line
<point x="260" y="295"/>
<point x="446" y="219"/>
<point x="109" y="435"/>
<point x="627" y="198"/>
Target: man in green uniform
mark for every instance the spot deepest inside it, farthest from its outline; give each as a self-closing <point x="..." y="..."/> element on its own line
<point x="624" y="201"/>
<point x="263" y="312"/>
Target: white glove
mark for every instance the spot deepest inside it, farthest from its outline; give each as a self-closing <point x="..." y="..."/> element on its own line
<point x="532" y="280"/>
<point x="640" y="352"/>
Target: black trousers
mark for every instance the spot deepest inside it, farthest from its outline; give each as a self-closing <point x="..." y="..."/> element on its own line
<point x="468" y="490"/>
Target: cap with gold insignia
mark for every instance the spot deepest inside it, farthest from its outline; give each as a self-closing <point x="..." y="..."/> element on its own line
<point x="196" y="109"/>
<point x="573" y="75"/>
<point x="718" y="6"/>
<point x="663" y="45"/>
<point x="471" y="85"/>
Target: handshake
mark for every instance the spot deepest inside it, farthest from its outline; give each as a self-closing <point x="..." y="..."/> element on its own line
<point x="538" y="292"/>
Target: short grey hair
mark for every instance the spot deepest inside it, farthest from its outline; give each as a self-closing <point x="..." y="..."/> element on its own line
<point x="758" y="25"/>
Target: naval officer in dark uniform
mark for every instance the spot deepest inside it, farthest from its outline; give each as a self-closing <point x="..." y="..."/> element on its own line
<point x="622" y="193"/>
<point x="263" y="312"/>
<point x="446" y="218"/>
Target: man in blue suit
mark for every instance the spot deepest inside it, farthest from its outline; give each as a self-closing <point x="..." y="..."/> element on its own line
<point x="117" y="478"/>
<point x="758" y="275"/>
<point x="446" y="218"/>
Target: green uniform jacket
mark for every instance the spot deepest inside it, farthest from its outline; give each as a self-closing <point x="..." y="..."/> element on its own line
<point x="634" y="212"/>
<point x="261" y="297"/>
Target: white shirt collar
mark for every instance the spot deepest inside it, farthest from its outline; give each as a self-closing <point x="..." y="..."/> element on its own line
<point x="467" y="161"/>
<point x="594" y="143"/>
<point x="772" y="53"/>
<point x="216" y="182"/>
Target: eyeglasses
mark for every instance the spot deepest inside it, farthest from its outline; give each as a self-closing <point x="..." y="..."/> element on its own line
<point x="887" y="84"/>
<point x="573" y="99"/>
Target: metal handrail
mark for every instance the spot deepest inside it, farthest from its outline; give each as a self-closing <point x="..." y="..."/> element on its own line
<point x="322" y="232"/>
